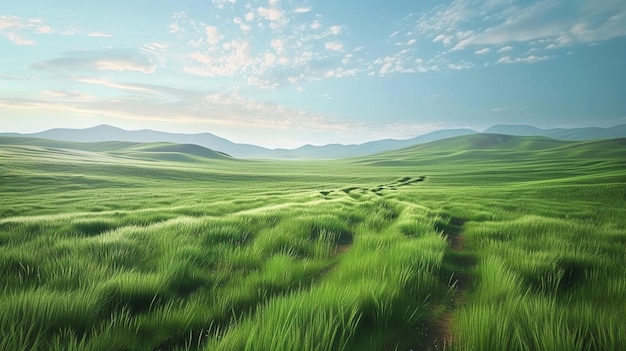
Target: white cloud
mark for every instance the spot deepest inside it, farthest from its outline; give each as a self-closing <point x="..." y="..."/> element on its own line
<point x="157" y="50"/>
<point x="316" y="24"/>
<point x="544" y="21"/>
<point x="528" y="59"/>
<point x="278" y="45"/>
<point x="13" y="28"/>
<point x="270" y="14"/>
<point x="508" y="108"/>
<point x="460" y="66"/>
<point x="444" y="38"/>
<point x="213" y="35"/>
<point x="99" y="35"/>
<point x="18" y="40"/>
<point x="235" y="60"/>
<point x="18" y="30"/>
<point x="500" y="109"/>
<point x="242" y="25"/>
<point x="100" y="60"/>
<point x="537" y="25"/>
<point x="298" y="52"/>
<point x="110" y="84"/>
<point x="174" y="28"/>
<point x="302" y="10"/>
<point x="335" y="30"/>
<point x="493" y="26"/>
<point x="333" y="46"/>
<point x="67" y="95"/>
<point x="269" y="59"/>
<point x="391" y="64"/>
<point x="123" y="65"/>
<point x="220" y="3"/>
<point x="10" y="22"/>
<point x="48" y="30"/>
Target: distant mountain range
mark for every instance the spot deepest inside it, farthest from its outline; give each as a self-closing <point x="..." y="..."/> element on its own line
<point x="589" y="133"/>
<point x="108" y="133"/>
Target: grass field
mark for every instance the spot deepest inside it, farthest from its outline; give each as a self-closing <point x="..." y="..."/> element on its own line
<point x="481" y="242"/>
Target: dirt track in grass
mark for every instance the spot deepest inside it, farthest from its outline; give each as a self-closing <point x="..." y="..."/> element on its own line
<point x="437" y="334"/>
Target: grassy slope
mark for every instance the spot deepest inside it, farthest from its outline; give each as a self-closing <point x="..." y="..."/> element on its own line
<point x="544" y="221"/>
<point x="108" y="250"/>
<point x="157" y="151"/>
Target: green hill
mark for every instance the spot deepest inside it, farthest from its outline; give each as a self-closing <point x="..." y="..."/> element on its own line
<point x="147" y="151"/>
<point x="491" y="158"/>
<point x="496" y="146"/>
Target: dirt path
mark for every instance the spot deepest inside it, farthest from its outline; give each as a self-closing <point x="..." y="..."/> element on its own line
<point x="438" y="333"/>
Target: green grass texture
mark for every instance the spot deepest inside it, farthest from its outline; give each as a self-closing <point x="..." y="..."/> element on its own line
<point x="480" y="242"/>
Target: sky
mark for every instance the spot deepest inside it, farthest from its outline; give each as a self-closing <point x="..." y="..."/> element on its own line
<point x="284" y="73"/>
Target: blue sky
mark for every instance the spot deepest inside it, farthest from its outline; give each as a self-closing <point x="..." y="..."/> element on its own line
<point x="283" y="73"/>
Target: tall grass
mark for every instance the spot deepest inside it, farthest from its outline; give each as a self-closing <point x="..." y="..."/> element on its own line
<point x="103" y="252"/>
<point x="546" y="284"/>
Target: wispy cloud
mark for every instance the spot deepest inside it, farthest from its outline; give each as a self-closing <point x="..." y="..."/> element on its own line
<point x="67" y="95"/>
<point x="16" y="30"/>
<point x="99" y="60"/>
<point x="110" y="84"/>
<point x="302" y="10"/>
<point x="270" y="14"/>
<point x="266" y="46"/>
<point x="334" y="46"/>
<point x="99" y="35"/>
<point x="221" y="3"/>
<point x="560" y="22"/>
<point x="19" y="40"/>
<point x="527" y="59"/>
<point x="507" y="108"/>
<point x="460" y="66"/>
<point x="213" y="35"/>
<point x="20" y="31"/>
<point x="484" y="26"/>
<point x="232" y="58"/>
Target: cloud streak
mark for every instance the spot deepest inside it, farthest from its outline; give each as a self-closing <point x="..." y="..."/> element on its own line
<point x="99" y="60"/>
<point x="527" y="59"/>
<point x="531" y="26"/>
<point x="559" y="22"/>
<point x="21" y="31"/>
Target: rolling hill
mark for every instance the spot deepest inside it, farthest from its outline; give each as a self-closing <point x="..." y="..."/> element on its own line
<point x="105" y="133"/>
<point x="161" y="151"/>
<point x="589" y="133"/>
<point x="495" y="148"/>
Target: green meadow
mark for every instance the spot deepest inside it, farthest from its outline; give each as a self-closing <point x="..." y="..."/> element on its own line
<point x="481" y="242"/>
